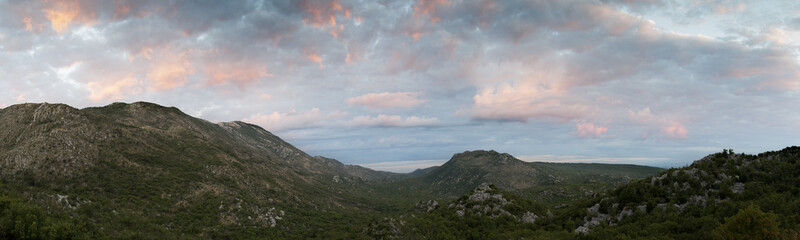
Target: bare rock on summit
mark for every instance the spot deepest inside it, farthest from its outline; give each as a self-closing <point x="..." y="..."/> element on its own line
<point x="39" y="139"/>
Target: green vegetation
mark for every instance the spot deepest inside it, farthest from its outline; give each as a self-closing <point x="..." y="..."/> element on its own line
<point x="142" y="171"/>
<point x="709" y="199"/>
<point x="20" y="220"/>
<point x="752" y="223"/>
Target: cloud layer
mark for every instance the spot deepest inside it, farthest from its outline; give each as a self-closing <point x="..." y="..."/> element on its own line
<point x="591" y="78"/>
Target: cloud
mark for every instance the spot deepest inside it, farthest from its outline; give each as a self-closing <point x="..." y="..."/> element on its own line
<point x="321" y="13"/>
<point x="241" y="73"/>
<point x="28" y="25"/>
<point x="115" y="90"/>
<point x="675" y="131"/>
<point x="393" y="121"/>
<point x="315" y="58"/>
<point x="277" y="121"/>
<point x="658" y="70"/>
<point x="524" y="101"/>
<point x="387" y="100"/>
<point x="584" y="130"/>
<point x="642" y="116"/>
<point x="62" y="13"/>
<point x="428" y="8"/>
<point x="170" y="70"/>
<point x="668" y="127"/>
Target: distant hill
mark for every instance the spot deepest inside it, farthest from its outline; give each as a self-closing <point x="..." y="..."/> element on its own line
<point x="550" y="183"/>
<point x="465" y="171"/>
<point x="421" y="172"/>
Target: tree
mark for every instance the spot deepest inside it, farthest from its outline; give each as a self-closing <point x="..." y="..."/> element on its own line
<point x="751" y="223"/>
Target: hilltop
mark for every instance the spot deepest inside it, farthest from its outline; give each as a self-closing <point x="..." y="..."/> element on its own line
<point x="549" y="183"/>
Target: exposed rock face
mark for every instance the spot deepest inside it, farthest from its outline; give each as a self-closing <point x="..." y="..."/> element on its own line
<point x="529" y="217"/>
<point x="594" y="218"/>
<point x="487" y="200"/>
<point x="737" y="187"/>
<point x="427" y="206"/>
<point x="388" y="228"/>
<point x="45" y="139"/>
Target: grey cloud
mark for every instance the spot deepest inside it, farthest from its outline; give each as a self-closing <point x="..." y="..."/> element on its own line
<point x="577" y="61"/>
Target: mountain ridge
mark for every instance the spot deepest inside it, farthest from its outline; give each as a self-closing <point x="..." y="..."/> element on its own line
<point x="158" y="156"/>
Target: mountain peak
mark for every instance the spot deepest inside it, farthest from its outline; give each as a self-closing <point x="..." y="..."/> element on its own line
<point x="469" y="169"/>
<point x="39" y="112"/>
<point x="141" y="107"/>
<point x="40" y="107"/>
<point x="483" y="157"/>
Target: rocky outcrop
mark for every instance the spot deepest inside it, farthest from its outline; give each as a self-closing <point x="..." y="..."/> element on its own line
<point x="709" y="181"/>
<point x="487" y="200"/>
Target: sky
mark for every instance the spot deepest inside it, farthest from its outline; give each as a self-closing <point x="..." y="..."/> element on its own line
<point x="398" y="85"/>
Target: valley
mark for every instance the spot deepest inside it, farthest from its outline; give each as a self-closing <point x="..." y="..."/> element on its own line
<point x="145" y="171"/>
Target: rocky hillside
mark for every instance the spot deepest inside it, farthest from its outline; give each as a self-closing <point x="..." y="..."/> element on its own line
<point x="168" y="172"/>
<point x="486" y="212"/>
<point x="694" y="202"/>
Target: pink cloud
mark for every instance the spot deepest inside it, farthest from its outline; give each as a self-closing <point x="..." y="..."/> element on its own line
<point x="323" y="14"/>
<point x="28" y="25"/>
<point x="584" y="130"/>
<point x="668" y="126"/>
<point x="311" y="56"/>
<point x="725" y="8"/>
<point x="354" y="53"/>
<point x="241" y="73"/>
<point x="170" y="70"/>
<point x="393" y="121"/>
<point x="641" y="116"/>
<point x="63" y="13"/>
<point x="525" y="101"/>
<point x="103" y="91"/>
<point x="428" y="8"/>
<point x="277" y="121"/>
<point x="674" y="131"/>
<point x="386" y="100"/>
